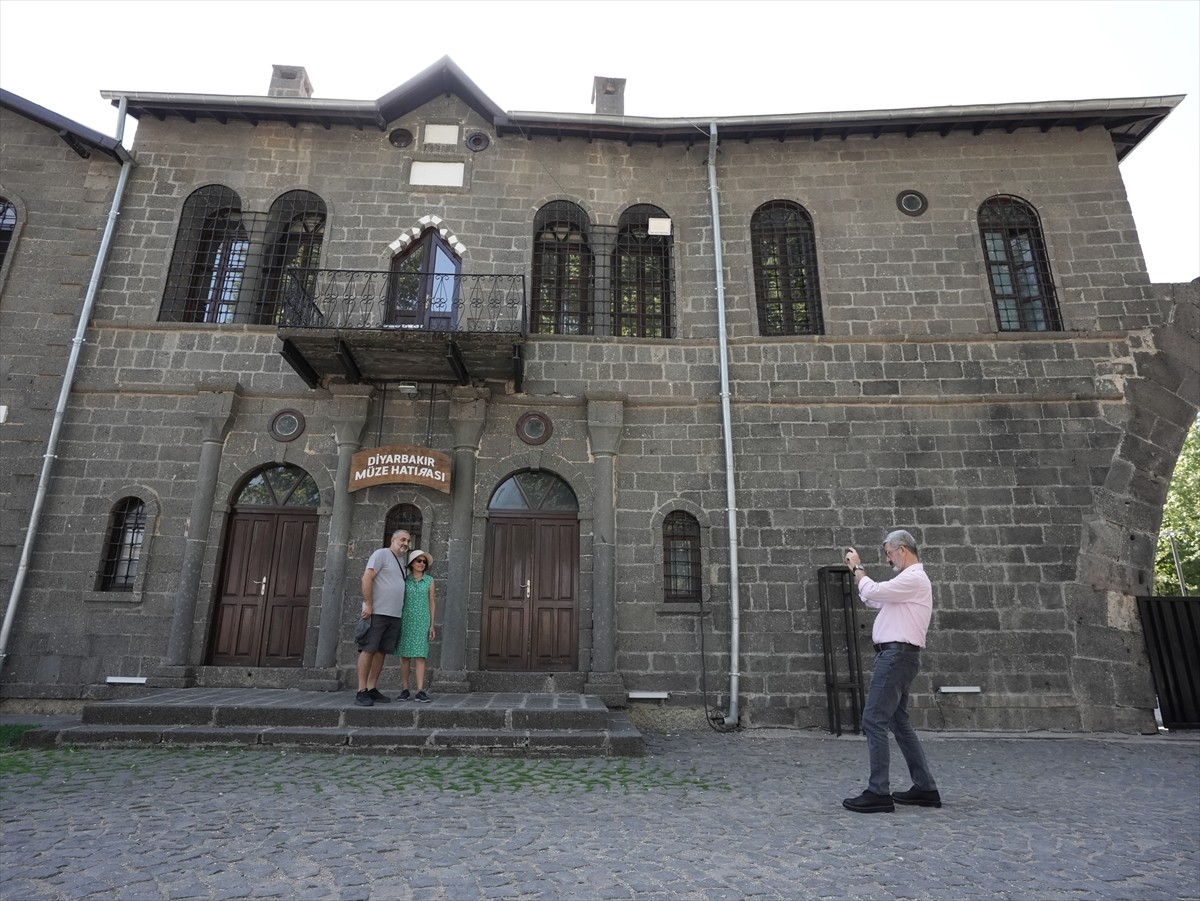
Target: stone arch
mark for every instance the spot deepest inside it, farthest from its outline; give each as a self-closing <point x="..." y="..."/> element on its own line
<point x="1117" y="543"/>
<point x="413" y="232"/>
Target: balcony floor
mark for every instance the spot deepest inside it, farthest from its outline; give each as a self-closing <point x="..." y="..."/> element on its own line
<point x="402" y="355"/>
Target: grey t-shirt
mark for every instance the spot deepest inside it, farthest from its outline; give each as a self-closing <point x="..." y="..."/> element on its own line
<point x="387" y="589"/>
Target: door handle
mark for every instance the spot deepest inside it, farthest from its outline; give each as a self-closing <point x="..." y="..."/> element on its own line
<point x="262" y="585"/>
<point x="526" y="584"/>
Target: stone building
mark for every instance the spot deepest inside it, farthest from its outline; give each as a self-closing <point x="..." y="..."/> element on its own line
<point x="634" y="383"/>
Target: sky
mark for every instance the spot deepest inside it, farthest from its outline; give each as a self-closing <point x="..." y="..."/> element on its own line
<point x="681" y="58"/>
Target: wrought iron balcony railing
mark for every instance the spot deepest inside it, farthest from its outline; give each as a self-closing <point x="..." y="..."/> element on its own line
<point x="430" y="301"/>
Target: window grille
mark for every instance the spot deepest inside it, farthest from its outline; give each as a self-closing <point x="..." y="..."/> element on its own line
<point x="407" y="517"/>
<point x="1018" y="266"/>
<point x="8" y="226"/>
<point x="784" y="253"/>
<point x="229" y="264"/>
<point x="563" y="272"/>
<point x="642" y="278"/>
<point x="681" y="557"/>
<point x="295" y="232"/>
<point x="123" y="546"/>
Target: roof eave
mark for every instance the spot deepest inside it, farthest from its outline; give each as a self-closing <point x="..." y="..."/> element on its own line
<point x="78" y="137"/>
<point x="1128" y="120"/>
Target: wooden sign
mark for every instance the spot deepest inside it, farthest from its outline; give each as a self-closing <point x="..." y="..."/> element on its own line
<point x="400" y="463"/>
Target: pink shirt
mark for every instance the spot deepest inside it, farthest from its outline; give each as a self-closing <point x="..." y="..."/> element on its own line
<point x="905" y="604"/>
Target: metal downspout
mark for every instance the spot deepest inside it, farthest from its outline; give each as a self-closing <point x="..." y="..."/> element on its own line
<point x="730" y="499"/>
<point x="85" y="314"/>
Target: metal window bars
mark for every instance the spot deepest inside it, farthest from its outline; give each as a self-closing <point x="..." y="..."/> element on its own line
<point x="123" y="547"/>
<point x="1018" y="266"/>
<point x="228" y="264"/>
<point x="784" y="257"/>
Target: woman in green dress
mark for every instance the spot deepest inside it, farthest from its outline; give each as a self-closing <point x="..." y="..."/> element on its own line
<point x="416" y="623"/>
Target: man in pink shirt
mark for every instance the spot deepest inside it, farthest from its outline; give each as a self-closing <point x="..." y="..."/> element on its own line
<point x="905" y="604"/>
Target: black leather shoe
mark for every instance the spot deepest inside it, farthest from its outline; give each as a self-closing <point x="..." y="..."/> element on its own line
<point x="869" y="802"/>
<point x="918" y="797"/>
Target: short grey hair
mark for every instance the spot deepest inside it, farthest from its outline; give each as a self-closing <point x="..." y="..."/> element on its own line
<point x="901" y="538"/>
<point x="398" y="531"/>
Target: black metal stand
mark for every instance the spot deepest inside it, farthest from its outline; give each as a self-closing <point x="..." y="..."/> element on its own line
<point x="839" y="630"/>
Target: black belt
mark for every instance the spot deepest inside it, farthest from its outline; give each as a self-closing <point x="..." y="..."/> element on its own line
<point x="897" y="646"/>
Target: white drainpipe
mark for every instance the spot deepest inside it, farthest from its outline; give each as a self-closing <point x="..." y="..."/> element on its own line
<point x="85" y="314"/>
<point x="730" y="501"/>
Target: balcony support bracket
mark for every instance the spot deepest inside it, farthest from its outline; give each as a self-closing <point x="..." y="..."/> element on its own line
<point x="294" y="358"/>
<point x="349" y="364"/>
<point x="455" y="358"/>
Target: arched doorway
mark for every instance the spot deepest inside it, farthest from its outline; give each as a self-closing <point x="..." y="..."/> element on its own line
<point x="266" y="574"/>
<point x="531" y="576"/>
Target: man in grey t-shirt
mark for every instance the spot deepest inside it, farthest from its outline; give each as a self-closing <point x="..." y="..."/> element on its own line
<point x="383" y="602"/>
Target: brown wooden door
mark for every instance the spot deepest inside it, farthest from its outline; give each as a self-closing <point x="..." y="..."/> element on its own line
<point x="530" y="603"/>
<point x="262" y="610"/>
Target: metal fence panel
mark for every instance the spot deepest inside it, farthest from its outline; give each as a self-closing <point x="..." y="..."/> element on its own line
<point x="1172" y="629"/>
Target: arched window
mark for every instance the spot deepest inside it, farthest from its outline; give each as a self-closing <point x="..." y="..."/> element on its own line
<point x="209" y="262"/>
<point x="641" y="301"/>
<point x="423" y="288"/>
<point x="1018" y="266"/>
<point x="563" y="271"/>
<point x="8" y="227"/>
<point x="784" y="253"/>
<point x="407" y="517"/>
<point x="681" y="557"/>
<point x="279" y="485"/>
<point x="295" y="231"/>
<point x="539" y="490"/>
<point x="123" y="546"/>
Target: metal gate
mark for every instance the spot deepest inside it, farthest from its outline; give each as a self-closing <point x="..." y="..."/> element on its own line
<point x="1172" y="629"/>
<point x="839" y="634"/>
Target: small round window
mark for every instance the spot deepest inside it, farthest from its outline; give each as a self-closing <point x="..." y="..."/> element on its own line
<point x="534" y="428"/>
<point x="912" y="203"/>
<point x="287" y="425"/>
<point x="400" y="137"/>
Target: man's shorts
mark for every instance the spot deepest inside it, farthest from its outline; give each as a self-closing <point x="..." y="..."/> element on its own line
<point x="383" y="636"/>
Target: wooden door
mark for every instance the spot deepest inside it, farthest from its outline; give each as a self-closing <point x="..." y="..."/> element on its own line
<point x="262" y="609"/>
<point x="530" y="603"/>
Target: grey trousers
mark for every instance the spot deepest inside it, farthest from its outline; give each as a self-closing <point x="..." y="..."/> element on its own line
<point x="886" y="709"/>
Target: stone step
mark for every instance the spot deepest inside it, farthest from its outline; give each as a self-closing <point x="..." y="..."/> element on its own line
<point x="480" y="723"/>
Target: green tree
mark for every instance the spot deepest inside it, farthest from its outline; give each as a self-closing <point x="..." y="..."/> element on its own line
<point x="1181" y="518"/>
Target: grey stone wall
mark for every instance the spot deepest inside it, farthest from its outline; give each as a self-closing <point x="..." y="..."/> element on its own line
<point x="61" y="202"/>
<point x="1020" y="461"/>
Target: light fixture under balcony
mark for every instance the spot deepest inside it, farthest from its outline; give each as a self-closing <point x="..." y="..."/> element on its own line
<point x="408" y="389"/>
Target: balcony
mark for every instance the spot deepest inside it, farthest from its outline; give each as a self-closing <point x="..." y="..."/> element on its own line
<point x="367" y="326"/>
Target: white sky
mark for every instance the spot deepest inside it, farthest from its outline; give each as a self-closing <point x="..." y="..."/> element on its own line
<point x="680" y="57"/>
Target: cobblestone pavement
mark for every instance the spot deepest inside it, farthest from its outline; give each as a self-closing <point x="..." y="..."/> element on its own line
<point x="753" y="815"/>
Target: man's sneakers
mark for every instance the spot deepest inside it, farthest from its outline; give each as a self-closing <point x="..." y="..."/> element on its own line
<point x="918" y="797"/>
<point x="371" y="697"/>
<point x="869" y="802"/>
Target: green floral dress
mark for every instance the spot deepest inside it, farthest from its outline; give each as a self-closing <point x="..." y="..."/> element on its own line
<point x="414" y="623"/>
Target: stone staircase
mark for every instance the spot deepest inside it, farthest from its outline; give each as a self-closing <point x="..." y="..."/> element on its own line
<point x="497" y="724"/>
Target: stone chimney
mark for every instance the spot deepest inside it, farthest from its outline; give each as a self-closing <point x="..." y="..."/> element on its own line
<point x="289" y="81"/>
<point x="609" y="96"/>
